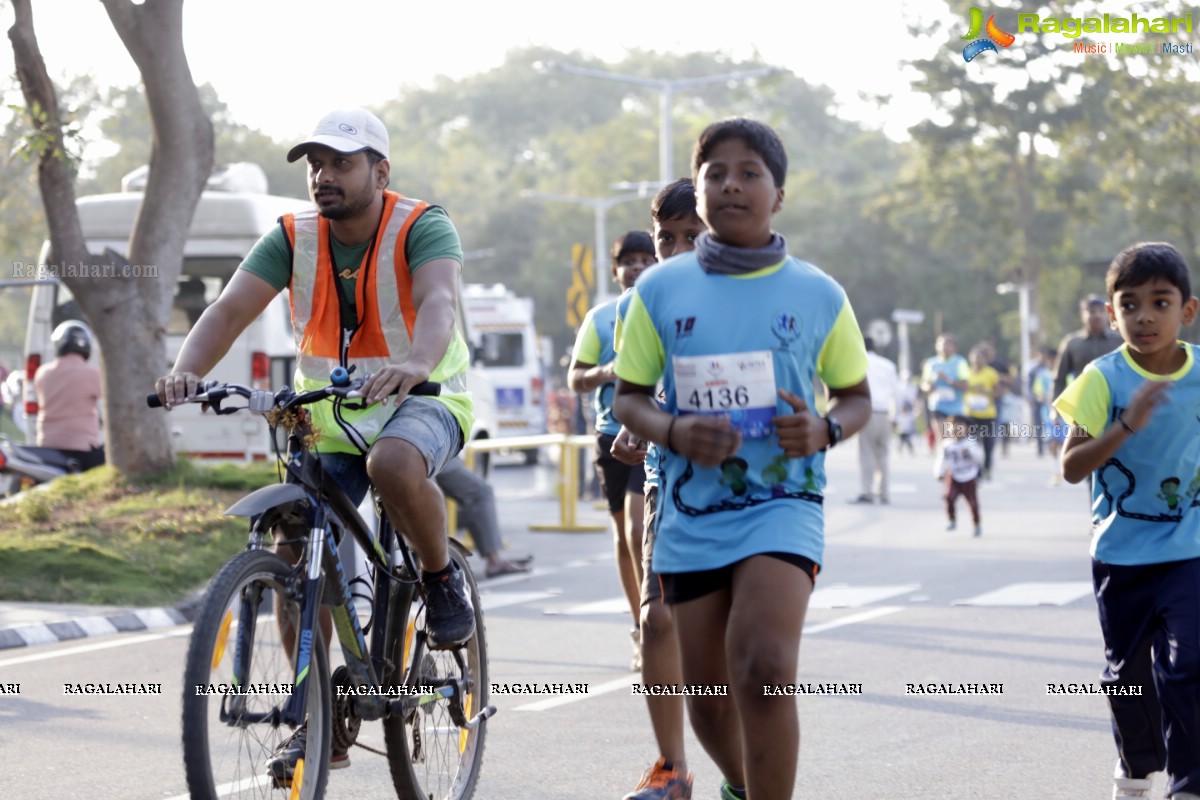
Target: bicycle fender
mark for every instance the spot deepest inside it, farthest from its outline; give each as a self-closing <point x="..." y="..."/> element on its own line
<point x="463" y="550"/>
<point x="266" y="498"/>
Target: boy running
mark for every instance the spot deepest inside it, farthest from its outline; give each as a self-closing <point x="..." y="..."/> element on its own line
<point x="1134" y="431"/>
<point x="737" y="331"/>
<point x="676" y="228"/>
<point x="591" y="370"/>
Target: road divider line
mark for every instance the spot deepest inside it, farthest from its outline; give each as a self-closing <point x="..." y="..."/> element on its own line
<point x="91" y="648"/>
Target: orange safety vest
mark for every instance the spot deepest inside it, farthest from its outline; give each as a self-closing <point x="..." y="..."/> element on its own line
<point x="384" y="306"/>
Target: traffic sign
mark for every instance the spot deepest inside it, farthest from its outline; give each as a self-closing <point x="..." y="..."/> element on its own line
<point x="582" y="280"/>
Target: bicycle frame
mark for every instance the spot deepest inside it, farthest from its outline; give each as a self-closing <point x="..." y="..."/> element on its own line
<point x="329" y="511"/>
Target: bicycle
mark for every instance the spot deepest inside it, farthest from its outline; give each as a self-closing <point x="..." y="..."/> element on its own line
<point x="248" y="687"/>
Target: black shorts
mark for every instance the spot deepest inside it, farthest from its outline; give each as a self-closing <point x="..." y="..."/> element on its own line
<point x="616" y="479"/>
<point x="680" y="587"/>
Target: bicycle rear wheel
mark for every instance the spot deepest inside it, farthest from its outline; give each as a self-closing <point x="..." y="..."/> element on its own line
<point x="230" y="735"/>
<point x="429" y="755"/>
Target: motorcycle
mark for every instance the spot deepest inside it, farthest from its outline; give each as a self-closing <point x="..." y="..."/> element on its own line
<point x="23" y="466"/>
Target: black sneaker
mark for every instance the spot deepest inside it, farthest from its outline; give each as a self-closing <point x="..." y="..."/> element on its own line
<point x="449" y="617"/>
<point x="282" y="768"/>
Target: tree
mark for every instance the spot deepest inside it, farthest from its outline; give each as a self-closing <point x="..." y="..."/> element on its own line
<point x="124" y="122"/>
<point x="181" y="156"/>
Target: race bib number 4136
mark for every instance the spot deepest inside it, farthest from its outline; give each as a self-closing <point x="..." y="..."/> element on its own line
<point x="740" y="386"/>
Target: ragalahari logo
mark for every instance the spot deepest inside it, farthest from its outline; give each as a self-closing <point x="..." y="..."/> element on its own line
<point x="994" y="38"/>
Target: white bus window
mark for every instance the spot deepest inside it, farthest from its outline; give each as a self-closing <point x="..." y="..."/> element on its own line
<point x="192" y="296"/>
<point x="502" y="350"/>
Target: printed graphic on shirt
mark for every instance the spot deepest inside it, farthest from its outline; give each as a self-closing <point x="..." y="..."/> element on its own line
<point x="1117" y="483"/>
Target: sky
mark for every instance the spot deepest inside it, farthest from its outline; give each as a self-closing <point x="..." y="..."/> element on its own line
<point x="280" y="65"/>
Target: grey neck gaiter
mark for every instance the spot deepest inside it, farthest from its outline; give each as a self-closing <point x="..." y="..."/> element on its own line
<point x="722" y="259"/>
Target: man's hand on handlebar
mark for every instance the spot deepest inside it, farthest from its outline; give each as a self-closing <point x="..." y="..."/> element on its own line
<point x="394" y="379"/>
<point x="177" y="388"/>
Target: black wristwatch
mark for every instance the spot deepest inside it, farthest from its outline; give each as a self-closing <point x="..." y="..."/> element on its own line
<point x="835" y="433"/>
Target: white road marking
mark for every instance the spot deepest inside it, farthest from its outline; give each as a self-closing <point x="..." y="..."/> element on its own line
<point x="841" y="595"/>
<point x="613" y="605"/>
<point x="593" y="691"/>
<point x="851" y="619"/>
<point x="493" y="600"/>
<point x="1031" y="594"/>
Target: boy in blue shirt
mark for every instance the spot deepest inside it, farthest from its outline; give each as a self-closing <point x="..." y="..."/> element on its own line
<point x="1135" y="431"/>
<point x="676" y="228"/>
<point x="737" y="330"/>
<point x="591" y="370"/>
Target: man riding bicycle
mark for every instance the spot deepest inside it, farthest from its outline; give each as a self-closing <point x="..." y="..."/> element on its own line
<point x="373" y="279"/>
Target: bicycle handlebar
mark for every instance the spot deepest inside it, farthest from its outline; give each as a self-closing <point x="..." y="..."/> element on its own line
<point x="215" y="391"/>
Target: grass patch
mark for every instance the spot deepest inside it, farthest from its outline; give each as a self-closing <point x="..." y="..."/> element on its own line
<point x="99" y="538"/>
<point x="8" y="427"/>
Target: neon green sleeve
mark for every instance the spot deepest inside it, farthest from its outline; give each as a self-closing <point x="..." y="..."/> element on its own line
<point x="641" y="359"/>
<point x="587" y="345"/>
<point x="1085" y="402"/>
<point x="964" y="370"/>
<point x="842" y="362"/>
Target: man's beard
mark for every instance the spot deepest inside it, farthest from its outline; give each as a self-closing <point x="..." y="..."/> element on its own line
<point x="345" y="208"/>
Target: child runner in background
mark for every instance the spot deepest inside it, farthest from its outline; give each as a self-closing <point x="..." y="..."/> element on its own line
<point x="591" y="370"/>
<point x="906" y="418"/>
<point x="959" y="464"/>
<point x="1134" y="431"/>
<point x="737" y="331"/>
<point x="676" y="228"/>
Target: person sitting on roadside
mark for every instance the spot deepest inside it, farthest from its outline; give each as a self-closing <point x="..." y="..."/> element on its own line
<point x="477" y="514"/>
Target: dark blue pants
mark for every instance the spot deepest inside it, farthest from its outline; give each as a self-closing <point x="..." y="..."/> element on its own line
<point x="1150" y="618"/>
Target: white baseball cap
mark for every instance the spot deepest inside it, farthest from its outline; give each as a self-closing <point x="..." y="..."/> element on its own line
<point x="348" y="130"/>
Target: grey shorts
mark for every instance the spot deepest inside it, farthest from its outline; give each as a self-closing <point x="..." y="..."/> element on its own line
<point x="424" y="423"/>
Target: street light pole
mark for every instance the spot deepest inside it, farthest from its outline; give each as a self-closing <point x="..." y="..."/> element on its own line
<point x="1022" y="290"/>
<point x="667" y="87"/>
<point x="599" y="205"/>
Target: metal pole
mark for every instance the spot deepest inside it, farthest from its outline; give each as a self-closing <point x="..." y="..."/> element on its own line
<point x="667" y="88"/>
<point x="665" y="134"/>
<point x="1023" y="299"/>
<point x="600" y="259"/>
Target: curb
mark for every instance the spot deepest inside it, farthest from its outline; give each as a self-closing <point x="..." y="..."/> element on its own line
<point x="143" y="619"/>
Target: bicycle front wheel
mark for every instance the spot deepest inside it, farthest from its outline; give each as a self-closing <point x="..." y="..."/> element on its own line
<point x="237" y="679"/>
<point x="430" y="756"/>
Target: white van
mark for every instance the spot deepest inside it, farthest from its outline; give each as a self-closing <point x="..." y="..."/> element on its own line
<point x="228" y="221"/>
<point x="504" y="353"/>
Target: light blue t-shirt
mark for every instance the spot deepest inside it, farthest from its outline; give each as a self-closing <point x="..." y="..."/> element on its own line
<point x="945" y="398"/>
<point x="595" y="346"/>
<point x="714" y="340"/>
<point x="1146" y="498"/>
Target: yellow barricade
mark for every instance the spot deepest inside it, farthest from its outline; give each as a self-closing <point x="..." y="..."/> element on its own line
<point x="568" y="475"/>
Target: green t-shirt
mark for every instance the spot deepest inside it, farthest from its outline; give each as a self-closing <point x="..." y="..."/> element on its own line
<point x="431" y="237"/>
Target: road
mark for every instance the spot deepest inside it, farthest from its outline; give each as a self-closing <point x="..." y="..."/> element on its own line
<point x="900" y="601"/>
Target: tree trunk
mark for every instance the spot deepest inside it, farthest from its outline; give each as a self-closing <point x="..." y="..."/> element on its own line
<point x="127" y="311"/>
